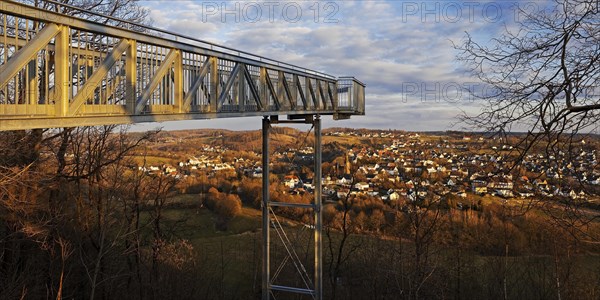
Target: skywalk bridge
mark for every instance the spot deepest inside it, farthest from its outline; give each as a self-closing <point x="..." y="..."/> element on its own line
<point x="57" y="71"/>
<point x="60" y="71"/>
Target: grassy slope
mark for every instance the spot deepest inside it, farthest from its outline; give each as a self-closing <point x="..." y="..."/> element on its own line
<point x="236" y="251"/>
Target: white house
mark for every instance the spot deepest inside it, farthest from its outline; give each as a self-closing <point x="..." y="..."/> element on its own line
<point x="344" y="181"/>
<point x="361" y="186"/>
<point x="291" y="181"/>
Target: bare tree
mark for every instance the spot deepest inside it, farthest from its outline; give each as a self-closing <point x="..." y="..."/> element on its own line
<point x="542" y="77"/>
<point x="422" y="221"/>
<point x="339" y="250"/>
<point x="128" y="10"/>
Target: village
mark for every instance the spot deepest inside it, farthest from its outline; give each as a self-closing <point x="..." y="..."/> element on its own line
<point x="408" y="167"/>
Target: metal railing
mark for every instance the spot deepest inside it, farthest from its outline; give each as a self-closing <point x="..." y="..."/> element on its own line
<point x="351" y="95"/>
<point x="57" y="70"/>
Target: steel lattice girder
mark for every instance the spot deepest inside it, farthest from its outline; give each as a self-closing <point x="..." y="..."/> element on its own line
<point x="137" y="77"/>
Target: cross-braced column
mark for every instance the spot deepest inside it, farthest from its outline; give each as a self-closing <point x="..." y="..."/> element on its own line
<point x="318" y="212"/>
<point x="266" y="124"/>
<point x="312" y="286"/>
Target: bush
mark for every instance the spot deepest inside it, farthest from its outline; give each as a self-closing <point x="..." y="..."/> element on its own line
<point x="228" y="207"/>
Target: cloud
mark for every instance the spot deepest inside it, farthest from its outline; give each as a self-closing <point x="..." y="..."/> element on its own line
<point x="402" y="50"/>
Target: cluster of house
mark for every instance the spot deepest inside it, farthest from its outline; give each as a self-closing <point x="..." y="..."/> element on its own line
<point x="364" y="135"/>
<point x="164" y="169"/>
<point x="412" y="168"/>
<point x="210" y="160"/>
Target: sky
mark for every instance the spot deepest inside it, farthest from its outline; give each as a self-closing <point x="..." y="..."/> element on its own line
<point x="402" y="50"/>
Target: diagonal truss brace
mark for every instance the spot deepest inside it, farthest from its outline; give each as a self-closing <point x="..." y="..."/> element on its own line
<point x="87" y="90"/>
<point x="18" y="61"/>
<point x="253" y="88"/>
<point x="229" y="83"/>
<point x="286" y="90"/>
<point x="320" y="91"/>
<point x="312" y="94"/>
<point x="165" y="66"/>
<point x="291" y="254"/>
<point x="331" y="97"/>
<point x="300" y="91"/>
<point x="272" y="90"/>
<point x="187" y="101"/>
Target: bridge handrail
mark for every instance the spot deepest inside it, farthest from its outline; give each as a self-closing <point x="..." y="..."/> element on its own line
<point x="123" y="75"/>
<point x="29" y="12"/>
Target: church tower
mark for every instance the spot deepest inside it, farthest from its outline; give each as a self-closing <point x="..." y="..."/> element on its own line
<point x="348" y="164"/>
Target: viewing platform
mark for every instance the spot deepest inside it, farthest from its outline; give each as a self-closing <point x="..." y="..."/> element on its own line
<point x="61" y="71"/>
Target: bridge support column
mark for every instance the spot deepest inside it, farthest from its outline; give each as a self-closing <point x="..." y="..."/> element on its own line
<point x="266" y="276"/>
<point x="318" y="214"/>
<point x="314" y="286"/>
